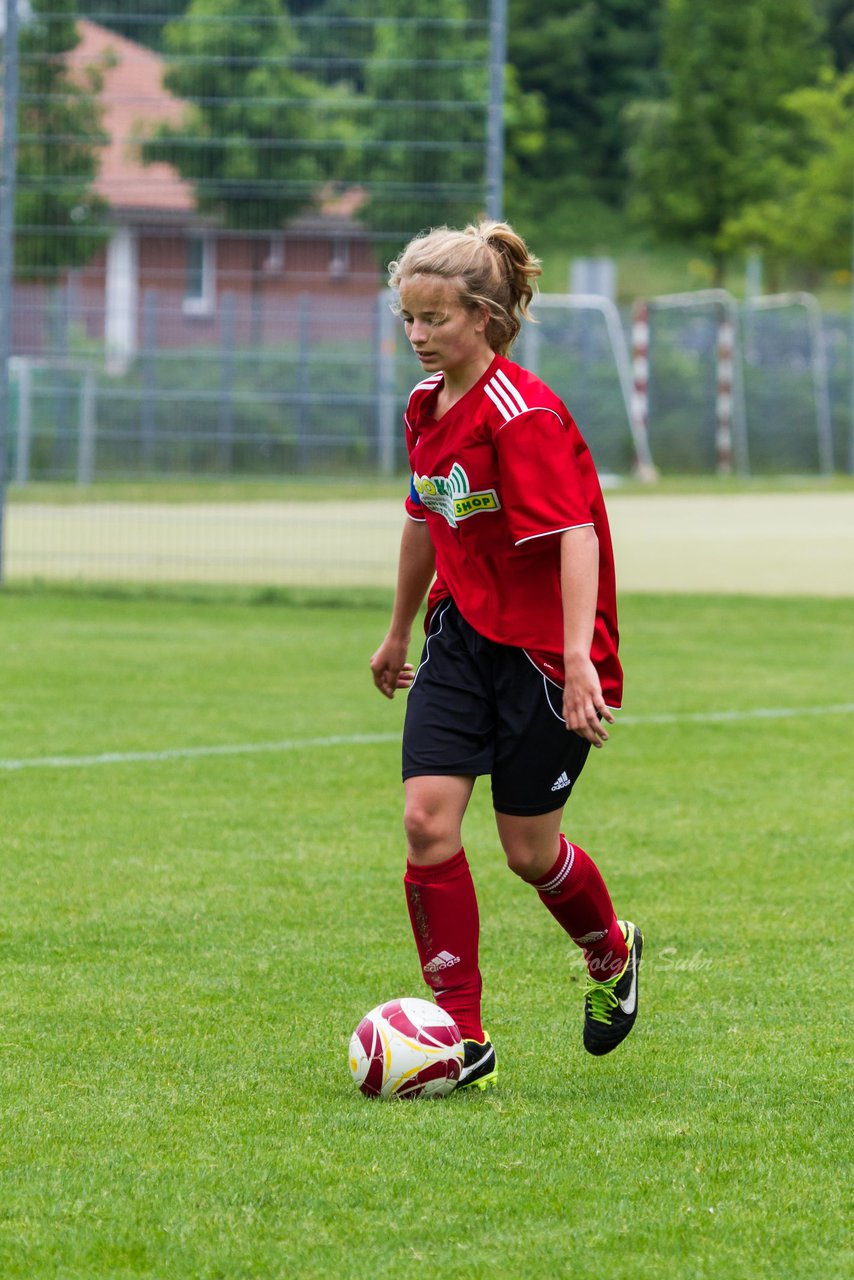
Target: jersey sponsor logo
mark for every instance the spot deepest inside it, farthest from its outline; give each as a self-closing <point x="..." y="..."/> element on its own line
<point x="451" y="496"/>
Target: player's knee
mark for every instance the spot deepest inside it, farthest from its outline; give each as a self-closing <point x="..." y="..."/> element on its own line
<point x="428" y="833"/>
<point x="523" y="860"/>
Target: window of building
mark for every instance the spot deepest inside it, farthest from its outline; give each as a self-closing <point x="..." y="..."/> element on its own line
<point x="339" y="259"/>
<point x="200" y="275"/>
<point x="275" y="259"/>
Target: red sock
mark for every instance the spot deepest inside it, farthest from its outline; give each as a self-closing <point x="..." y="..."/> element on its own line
<point x="443" y="912"/>
<point x="575" y="894"/>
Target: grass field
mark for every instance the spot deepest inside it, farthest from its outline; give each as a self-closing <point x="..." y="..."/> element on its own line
<point x="191" y="930"/>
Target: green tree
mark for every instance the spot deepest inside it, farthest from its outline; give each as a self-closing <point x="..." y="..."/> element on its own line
<point x="586" y="59"/>
<point x="251" y="138"/>
<point x="838" y="19"/>
<point x="422" y="159"/>
<point x="423" y="154"/>
<point x="280" y="109"/>
<point x="807" y="219"/>
<point x="713" y="145"/>
<point x="135" y="21"/>
<point x="57" y="216"/>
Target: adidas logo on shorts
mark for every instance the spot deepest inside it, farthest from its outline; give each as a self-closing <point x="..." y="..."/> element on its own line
<point x="561" y="782"/>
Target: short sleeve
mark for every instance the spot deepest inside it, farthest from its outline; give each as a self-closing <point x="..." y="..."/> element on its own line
<point x="541" y="486"/>
<point x="414" y="509"/>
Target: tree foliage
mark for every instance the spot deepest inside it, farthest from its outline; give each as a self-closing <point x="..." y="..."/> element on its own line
<point x="133" y="19"/>
<point x="586" y="60"/>
<point x="280" y="110"/>
<point x="251" y="140"/>
<point x="714" y="118"/>
<point x="711" y="146"/>
<point x="837" y="17"/>
<point x="424" y="143"/>
<point x="59" y="137"/>
<point x="807" y="219"/>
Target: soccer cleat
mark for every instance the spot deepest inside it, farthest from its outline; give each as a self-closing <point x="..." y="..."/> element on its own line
<point x="479" y="1068"/>
<point x="610" y="1008"/>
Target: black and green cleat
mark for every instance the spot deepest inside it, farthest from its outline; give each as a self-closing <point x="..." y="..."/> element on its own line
<point x="610" y="1008"/>
<point x="479" y="1066"/>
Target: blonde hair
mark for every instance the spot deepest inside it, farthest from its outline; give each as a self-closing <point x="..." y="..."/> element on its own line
<point x="491" y="266"/>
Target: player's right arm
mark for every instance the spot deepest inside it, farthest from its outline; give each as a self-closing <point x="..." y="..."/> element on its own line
<point x="416" y="567"/>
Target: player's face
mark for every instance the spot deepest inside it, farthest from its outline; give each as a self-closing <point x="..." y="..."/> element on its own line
<point x="445" y="335"/>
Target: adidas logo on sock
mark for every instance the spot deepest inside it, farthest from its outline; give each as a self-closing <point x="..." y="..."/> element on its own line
<point x="587" y="938"/>
<point x="561" y="782"/>
<point x="443" y="960"/>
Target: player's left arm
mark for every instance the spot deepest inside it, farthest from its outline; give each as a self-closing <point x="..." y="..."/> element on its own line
<point x="584" y="708"/>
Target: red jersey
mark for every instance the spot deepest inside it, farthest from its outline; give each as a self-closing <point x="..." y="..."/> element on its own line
<point x="496" y="478"/>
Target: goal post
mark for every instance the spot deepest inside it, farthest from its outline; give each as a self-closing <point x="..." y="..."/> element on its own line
<point x="25" y="430"/>
<point x="578" y="346"/>
<point x="806" y="349"/>
<point x="724" y="350"/>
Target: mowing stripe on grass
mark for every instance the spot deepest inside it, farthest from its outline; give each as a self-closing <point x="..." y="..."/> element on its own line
<point x="360" y="739"/>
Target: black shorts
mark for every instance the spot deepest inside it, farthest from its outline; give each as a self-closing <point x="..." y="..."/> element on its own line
<point x="477" y="707"/>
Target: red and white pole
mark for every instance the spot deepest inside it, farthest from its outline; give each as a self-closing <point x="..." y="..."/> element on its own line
<point x="724" y="401"/>
<point x="639" y="403"/>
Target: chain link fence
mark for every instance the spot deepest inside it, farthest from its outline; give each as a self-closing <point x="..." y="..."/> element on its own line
<point x="761" y="387"/>
<point x="207" y="196"/>
<point x="322" y="393"/>
<point x="315" y="385"/>
<point x="205" y="199"/>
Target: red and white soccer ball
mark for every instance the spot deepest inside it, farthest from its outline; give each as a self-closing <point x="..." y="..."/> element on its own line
<point x="406" y="1049"/>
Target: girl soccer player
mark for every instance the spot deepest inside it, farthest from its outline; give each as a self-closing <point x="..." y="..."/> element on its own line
<point x="519" y="672"/>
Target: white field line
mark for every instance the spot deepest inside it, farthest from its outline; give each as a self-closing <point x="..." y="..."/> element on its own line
<point x="360" y="739"/>
<point x="191" y="753"/>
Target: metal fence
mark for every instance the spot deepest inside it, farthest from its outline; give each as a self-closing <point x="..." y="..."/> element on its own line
<point x="321" y="391"/>
<point x="316" y="384"/>
<point x="322" y="396"/>
<point x="759" y="387"/>
<point x="197" y="205"/>
<point x="203" y="206"/>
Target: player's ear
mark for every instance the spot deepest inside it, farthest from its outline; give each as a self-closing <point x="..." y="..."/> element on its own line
<point x="483" y="318"/>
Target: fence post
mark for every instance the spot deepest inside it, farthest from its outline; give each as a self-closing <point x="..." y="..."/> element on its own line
<point x="724" y="398"/>
<point x="226" y="383"/>
<point x="495" y="112"/>
<point x="386" y="370"/>
<point x="24" y="370"/>
<point x="730" y="408"/>
<point x="824" y="422"/>
<point x="8" y="168"/>
<point x="86" y="430"/>
<point x="639" y="395"/>
<point x="303" y="380"/>
<point x="148" y="418"/>
<point x="62" y="446"/>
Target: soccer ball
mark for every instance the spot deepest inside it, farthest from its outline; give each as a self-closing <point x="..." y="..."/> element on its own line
<point x="406" y="1049"/>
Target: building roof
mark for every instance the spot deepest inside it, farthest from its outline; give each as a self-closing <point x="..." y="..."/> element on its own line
<point x="133" y="102"/>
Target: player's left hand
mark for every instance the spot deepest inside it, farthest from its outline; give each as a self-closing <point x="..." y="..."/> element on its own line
<point x="584" y="709"/>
